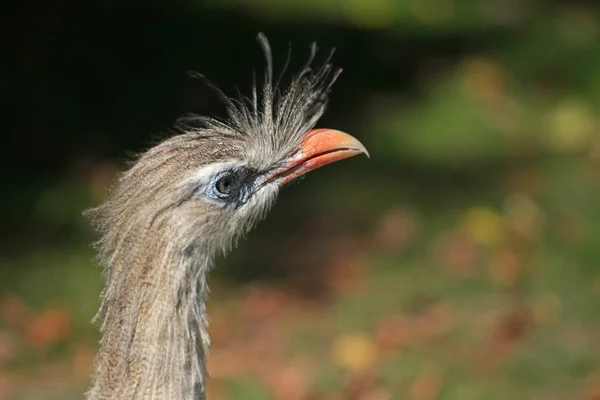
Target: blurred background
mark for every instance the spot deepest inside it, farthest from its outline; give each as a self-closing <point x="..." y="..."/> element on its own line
<point x="459" y="262"/>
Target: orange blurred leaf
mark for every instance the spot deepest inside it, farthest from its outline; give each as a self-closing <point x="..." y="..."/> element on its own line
<point x="427" y="385"/>
<point x="263" y="302"/>
<point x="507" y="334"/>
<point x="344" y="272"/>
<point x="505" y="268"/>
<point x="51" y="326"/>
<point x="395" y="230"/>
<point x="5" y="388"/>
<point x="7" y="347"/>
<point x="391" y="335"/>
<point x="592" y="390"/>
<point x="289" y="383"/>
<point x="458" y="252"/>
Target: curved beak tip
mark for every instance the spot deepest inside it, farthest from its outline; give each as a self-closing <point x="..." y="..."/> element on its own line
<point x="362" y="149"/>
<point x="329" y="140"/>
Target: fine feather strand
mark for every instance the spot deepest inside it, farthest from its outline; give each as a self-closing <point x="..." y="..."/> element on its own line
<point x="274" y="119"/>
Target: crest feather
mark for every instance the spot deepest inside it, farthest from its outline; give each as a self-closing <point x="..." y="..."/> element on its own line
<point x="274" y="118"/>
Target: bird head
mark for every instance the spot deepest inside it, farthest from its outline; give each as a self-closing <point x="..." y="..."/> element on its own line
<point x="182" y="201"/>
<point x="214" y="179"/>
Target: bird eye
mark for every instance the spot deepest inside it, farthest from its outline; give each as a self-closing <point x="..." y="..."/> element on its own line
<point x="231" y="186"/>
<point x="226" y="184"/>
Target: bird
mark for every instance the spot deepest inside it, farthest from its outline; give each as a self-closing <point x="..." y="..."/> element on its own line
<point x="183" y="202"/>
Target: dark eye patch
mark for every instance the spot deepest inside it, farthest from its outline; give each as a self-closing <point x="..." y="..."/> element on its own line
<point x="233" y="186"/>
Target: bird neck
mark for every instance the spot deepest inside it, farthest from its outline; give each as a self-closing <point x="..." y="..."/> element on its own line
<point x="153" y="323"/>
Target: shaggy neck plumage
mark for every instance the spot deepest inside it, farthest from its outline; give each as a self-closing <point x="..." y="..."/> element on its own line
<point x="153" y="319"/>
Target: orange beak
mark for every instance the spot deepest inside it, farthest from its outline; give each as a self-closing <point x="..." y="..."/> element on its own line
<point x="320" y="147"/>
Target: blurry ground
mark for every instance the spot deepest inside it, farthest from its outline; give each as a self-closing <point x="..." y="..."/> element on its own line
<point x="459" y="262"/>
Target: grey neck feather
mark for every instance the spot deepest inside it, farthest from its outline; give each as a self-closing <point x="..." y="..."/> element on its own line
<point x="153" y="320"/>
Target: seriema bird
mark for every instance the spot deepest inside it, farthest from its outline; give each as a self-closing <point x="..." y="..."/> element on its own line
<point x="180" y="204"/>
